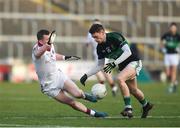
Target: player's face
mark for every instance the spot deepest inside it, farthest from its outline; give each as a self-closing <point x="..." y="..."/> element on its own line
<point x="173" y="29"/>
<point x="45" y="39"/>
<point x="99" y="36"/>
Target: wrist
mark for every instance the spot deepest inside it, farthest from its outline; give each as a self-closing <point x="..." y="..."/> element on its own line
<point x="87" y="74"/>
<point x="66" y="57"/>
<point x="63" y="57"/>
<point x="115" y="63"/>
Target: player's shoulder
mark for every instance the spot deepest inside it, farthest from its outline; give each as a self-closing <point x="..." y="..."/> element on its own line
<point x="167" y="34"/>
<point x="113" y="34"/>
<point x="178" y="34"/>
<point x="35" y="46"/>
<point x="117" y="36"/>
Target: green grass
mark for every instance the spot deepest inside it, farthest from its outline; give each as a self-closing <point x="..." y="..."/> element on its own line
<point x="24" y="105"/>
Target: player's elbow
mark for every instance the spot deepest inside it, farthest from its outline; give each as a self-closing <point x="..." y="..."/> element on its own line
<point x="37" y="56"/>
<point x="128" y="52"/>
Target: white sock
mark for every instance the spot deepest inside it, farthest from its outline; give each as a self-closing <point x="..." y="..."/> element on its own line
<point x="128" y="106"/>
<point x="92" y="112"/>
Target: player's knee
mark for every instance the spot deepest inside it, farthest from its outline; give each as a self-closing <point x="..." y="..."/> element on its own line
<point x="78" y="94"/>
<point x="120" y="81"/>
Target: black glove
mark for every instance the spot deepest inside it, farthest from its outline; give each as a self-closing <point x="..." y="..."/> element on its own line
<point x="109" y="67"/>
<point x="83" y="79"/>
<point x="72" y="58"/>
<point x="51" y="38"/>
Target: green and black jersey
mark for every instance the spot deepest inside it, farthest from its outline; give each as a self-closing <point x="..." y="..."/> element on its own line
<point x="112" y="49"/>
<point x="171" y="42"/>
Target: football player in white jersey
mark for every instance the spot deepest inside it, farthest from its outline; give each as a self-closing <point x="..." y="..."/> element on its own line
<point x="53" y="81"/>
<point x="101" y="75"/>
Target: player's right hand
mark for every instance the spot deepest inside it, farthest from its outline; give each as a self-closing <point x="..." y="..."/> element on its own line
<point x="83" y="79"/>
<point x="109" y="67"/>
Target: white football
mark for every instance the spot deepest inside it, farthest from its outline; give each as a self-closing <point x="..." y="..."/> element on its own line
<point x="99" y="90"/>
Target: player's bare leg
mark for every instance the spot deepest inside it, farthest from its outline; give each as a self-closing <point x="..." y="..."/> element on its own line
<point x="111" y="83"/>
<point x="138" y="94"/>
<point x="173" y="74"/>
<point x="100" y="77"/>
<point x="167" y="71"/>
<point x="73" y="89"/>
<point x="123" y="76"/>
<point x="134" y="90"/>
<point x="65" y="99"/>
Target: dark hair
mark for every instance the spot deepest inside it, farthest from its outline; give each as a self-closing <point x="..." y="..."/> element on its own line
<point x="96" y="20"/>
<point x="96" y="28"/>
<point x="41" y="33"/>
<point x="173" y="24"/>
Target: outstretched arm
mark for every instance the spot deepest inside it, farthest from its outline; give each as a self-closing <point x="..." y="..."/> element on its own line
<point x="60" y="57"/>
<point x="93" y="71"/>
<point x="63" y="57"/>
<point x="97" y="68"/>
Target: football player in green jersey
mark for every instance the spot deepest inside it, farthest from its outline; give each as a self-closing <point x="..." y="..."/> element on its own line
<point x="101" y="76"/>
<point x="169" y="43"/>
<point x="115" y="47"/>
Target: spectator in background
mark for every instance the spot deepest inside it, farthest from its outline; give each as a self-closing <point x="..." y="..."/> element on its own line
<point x="169" y="45"/>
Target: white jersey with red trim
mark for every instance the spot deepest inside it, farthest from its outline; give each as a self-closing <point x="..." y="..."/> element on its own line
<point x="45" y="66"/>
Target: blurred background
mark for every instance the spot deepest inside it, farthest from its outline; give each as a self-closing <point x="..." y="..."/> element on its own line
<point x="141" y="21"/>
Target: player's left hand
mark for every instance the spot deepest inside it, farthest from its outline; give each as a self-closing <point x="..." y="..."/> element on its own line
<point x="109" y="67"/>
<point x="51" y="38"/>
<point x="72" y="58"/>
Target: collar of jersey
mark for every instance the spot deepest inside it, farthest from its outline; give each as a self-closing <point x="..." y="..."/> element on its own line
<point x="39" y="44"/>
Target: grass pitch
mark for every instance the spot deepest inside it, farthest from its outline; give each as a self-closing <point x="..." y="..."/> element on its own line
<point x="23" y="105"/>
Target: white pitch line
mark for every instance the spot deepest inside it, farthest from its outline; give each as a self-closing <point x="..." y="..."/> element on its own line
<point x="85" y="117"/>
<point x="151" y="117"/>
